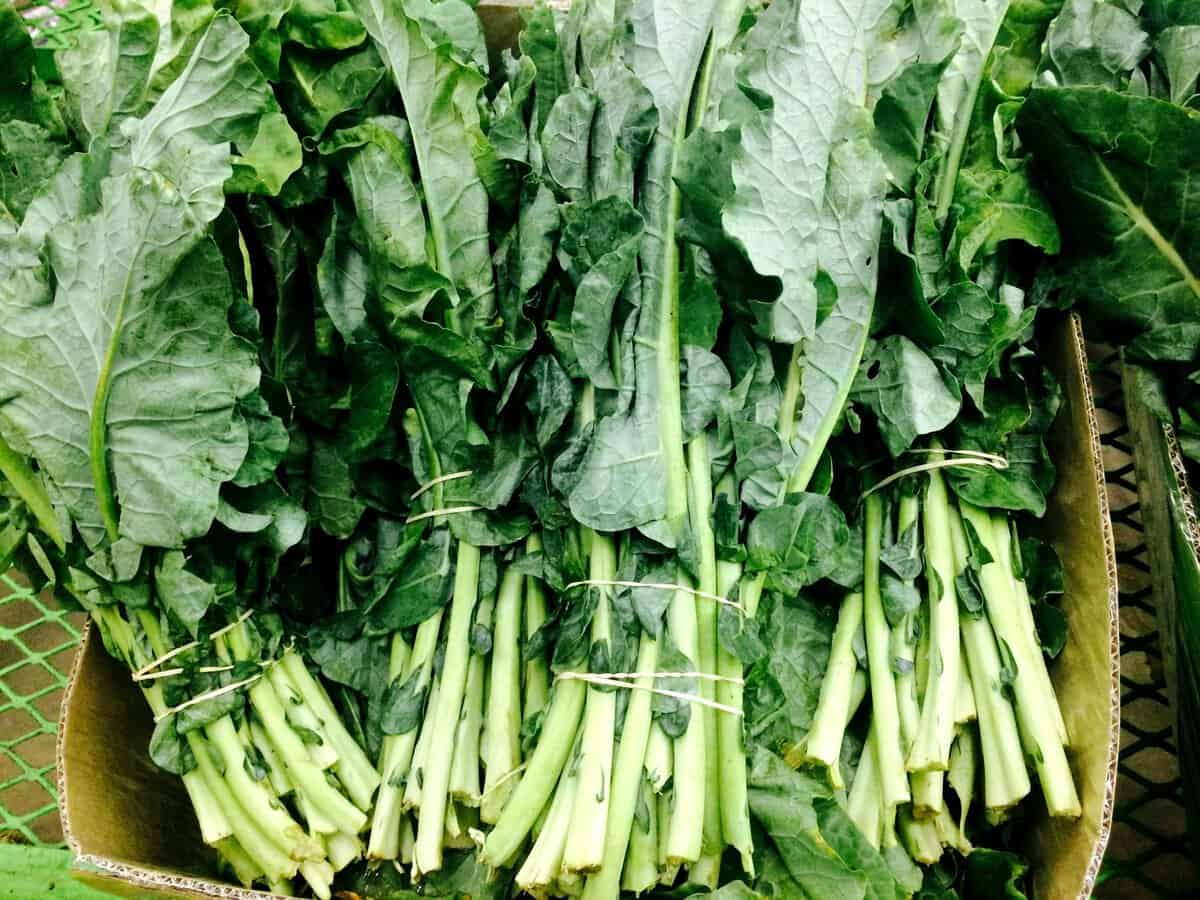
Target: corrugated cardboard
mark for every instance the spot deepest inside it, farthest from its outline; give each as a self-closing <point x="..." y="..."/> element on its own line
<point x="1067" y="855"/>
<point x="134" y="833"/>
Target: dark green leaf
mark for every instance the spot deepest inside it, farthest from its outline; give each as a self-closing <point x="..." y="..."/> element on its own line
<point x="169" y="750"/>
<point x="994" y="875"/>
<point x="403" y="705"/>
<point x="798" y="543"/>
<point x="905" y="390"/>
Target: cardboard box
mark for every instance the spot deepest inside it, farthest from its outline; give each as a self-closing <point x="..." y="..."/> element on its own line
<point x="1173" y="545"/>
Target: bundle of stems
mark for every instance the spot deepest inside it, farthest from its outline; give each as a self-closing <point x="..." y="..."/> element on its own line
<point x="280" y="788"/>
<point x="959" y="692"/>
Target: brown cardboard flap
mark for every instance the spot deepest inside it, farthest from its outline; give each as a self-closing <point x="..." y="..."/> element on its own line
<point x="121" y="814"/>
<point x="1067" y="854"/>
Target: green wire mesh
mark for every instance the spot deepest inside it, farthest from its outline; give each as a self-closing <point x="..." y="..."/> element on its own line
<point x="37" y="645"/>
<point x="54" y="25"/>
<point x="51" y="24"/>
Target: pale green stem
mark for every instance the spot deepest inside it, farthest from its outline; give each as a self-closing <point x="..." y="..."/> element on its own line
<point x="735" y="807"/>
<point x="1008" y="549"/>
<point x="321" y="752"/>
<point x="919" y="837"/>
<point x="627" y="780"/>
<point x="353" y="769"/>
<point x="865" y="804"/>
<point x="544" y="861"/>
<point x="416" y="779"/>
<point x="540" y="775"/>
<point x="397" y="752"/>
<point x="685" y="839"/>
<point x="706" y="870"/>
<point x="823" y="745"/>
<point x="935" y="734"/>
<point x="464" y="773"/>
<point x="885" y="715"/>
<point x="641" y="862"/>
<point x="245" y="869"/>
<point x="1005" y="778"/>
<point x="502" y="753"/>
<point x="435" y="790"/>
<point x="589" y="816"/>
<point x="660" y="759"/>
<point x="537" y="673"/>
<point x="1034" y="713"/>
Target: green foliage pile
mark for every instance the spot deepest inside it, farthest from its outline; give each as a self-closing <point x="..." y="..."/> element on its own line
<point x="467" y="451"/>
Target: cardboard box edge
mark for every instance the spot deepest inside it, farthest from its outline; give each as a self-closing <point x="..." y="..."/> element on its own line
<point x="1075" y="324"/>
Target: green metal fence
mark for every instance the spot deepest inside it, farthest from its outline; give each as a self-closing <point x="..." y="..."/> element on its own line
<point x="37" y="645"/>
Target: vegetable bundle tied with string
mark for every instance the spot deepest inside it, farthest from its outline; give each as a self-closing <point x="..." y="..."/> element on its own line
<point x="466" y="451"/>
<point x="959" y="690"/>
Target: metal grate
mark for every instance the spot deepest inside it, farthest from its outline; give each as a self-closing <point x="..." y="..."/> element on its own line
<point x="52" y="24"/>
<point x="1148" y="855"/>
<point x="37" y="645"/>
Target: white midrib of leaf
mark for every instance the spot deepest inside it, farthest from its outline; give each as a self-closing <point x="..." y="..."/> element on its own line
<point x="1143" y="223"/>
<point x="437" y="225"/>
<point x="415" y="44"/>
<point x="670" y="417"/>
<point x="98" y="423"/>
<point x="962" y="122"/>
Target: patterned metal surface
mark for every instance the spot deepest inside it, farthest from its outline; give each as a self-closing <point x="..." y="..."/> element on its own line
<point x="52" y="23"/>
<point x="37" y="645"/>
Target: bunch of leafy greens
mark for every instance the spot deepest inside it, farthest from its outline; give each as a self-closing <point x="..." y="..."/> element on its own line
<point x="486" y="382"/>
<point x="1111" y="125"/>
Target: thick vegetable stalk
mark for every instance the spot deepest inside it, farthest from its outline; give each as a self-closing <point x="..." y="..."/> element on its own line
<point x="885" y="719"/>
<point x="656" y="352"/>
<point x="685" y="838"/>
<point x="464" y="772"/>
<point x="589" y="817"/>
<point x="919" y="837"/>
<point x="436" y="774"/>
<point x="502" y="731"/>
<point x="731" y="751"/>
<point x="1035" y="713"/>
<point x="397" y="752"/>
<point x="641" y="863"/>
<point x="541" y="774"/>
<point x="537" y="672"/>
<point x="905" y="633"/>
<point x="931" y="748"/>
<point x="540" y="870"/>
<point x="707" y="869"/>
<point x="312" y="788"/>
<point x="561" y="728"/>
<point x="1009" y="550"/>
<point x="865" y="804"/>
<point x="823" y="745"/>
<point x="1005" y="778"/>
<point x="660" y="759"/>
<point x="628" y="780"/>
